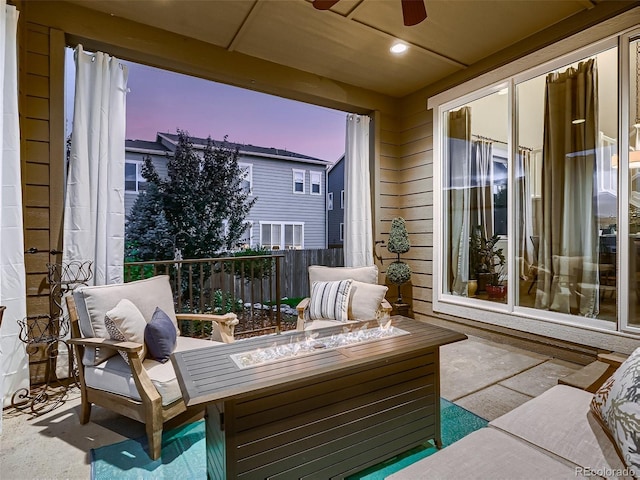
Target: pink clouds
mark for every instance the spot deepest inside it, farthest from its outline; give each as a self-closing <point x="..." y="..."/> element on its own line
<point x="164" y="101"/>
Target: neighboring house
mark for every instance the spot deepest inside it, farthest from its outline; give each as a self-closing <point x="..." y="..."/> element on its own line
<point x="290" y="211"/>
<point x="335" y="204"/>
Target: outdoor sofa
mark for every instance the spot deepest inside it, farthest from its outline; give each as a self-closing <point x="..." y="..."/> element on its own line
<point x="566" y="432"/>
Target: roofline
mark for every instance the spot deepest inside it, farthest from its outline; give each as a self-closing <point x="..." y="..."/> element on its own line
<point x="335" y="163"/>
<point x="313" y="161"/>
<point x="147" y="150"/>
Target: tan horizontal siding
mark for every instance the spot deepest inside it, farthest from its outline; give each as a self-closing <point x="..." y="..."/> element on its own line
<point x="36" y="152"/>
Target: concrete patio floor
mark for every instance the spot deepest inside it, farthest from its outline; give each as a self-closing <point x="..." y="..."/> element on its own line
<point x="482" y="376"/>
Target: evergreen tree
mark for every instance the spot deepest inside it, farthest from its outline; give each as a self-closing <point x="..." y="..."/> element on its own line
<point x="202" y="199"/>
<point x="147" y="233"/>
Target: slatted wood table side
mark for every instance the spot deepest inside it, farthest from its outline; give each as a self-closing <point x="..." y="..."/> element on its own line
<point x="327" y="414"/>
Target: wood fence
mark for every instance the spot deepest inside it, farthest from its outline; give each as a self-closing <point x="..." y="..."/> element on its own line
<point x="294" y="280"/>
<point x="250" y="286"/>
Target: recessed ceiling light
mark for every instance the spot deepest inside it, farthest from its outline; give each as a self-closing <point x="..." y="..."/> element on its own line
<point x="398" y="48"/>
<point x="578" y="121"/>
<point x="503" y="91"/>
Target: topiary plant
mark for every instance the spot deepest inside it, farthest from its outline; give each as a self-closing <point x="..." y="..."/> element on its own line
<point x="398" y="237"/>
<point x="398" y="272"/>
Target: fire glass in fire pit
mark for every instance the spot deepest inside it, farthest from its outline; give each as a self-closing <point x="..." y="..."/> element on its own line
<point x="314" y="343"/>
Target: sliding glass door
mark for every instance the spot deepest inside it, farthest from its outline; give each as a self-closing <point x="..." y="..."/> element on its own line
<point x="566" y="188"/>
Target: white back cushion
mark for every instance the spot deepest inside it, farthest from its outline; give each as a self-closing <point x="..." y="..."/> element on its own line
<point x="93" y="303"/>
<point x="318" y="273"/>
<point x="365" y="300"/>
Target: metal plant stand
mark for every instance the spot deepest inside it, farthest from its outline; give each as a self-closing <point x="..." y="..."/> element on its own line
<point x="50" y="333"/>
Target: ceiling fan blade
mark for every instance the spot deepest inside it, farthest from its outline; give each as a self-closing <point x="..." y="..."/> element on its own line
<point x="325" y="4"/>
<point x="413" y="12"/>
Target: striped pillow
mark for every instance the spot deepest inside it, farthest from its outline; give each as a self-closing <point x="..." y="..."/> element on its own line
<point x="330" y="300"/>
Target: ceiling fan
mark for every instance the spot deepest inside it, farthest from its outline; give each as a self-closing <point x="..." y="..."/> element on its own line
<point x="413" y="11"/>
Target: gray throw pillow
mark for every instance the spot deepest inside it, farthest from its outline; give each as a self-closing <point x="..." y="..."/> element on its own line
<point x="160" y="336"/>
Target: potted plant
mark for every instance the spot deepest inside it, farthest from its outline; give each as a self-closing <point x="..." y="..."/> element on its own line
<point x="398" y="272"/>
<point x="484" y="257"/>
<point x="496" y="288"/>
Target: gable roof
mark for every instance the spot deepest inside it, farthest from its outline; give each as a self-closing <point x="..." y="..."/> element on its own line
<point x="252" y="150"/>
<point x="157" y="147"/>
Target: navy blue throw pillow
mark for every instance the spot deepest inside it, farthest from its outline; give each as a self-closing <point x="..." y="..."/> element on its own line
<point x="160" y="336"/>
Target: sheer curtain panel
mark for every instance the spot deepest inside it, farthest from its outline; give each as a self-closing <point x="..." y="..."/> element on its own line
<point x="459" y="145"/>
<point x="94" y="204"/>
<point x="358" y="234"/>
<point x="524" y="174"/>
<point x="568" y="256"/>
<point x="14" y="362"/>
<point x="482" y="198"/>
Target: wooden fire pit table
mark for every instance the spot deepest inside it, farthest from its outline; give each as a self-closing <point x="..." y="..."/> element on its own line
<point x="324" y="414"/>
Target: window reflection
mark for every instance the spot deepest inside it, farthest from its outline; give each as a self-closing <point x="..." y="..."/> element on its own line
<point x="477" y="181"/>
<point x="566" y="189"/>
<point x="634" y="183"/>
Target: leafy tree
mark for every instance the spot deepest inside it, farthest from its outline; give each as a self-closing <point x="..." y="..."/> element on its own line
<point x="201" y="195"/>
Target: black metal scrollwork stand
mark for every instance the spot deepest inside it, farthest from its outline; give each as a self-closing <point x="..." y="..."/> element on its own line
<point x="50" y="332"/>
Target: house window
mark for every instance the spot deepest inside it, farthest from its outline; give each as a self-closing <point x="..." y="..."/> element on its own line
<point x="245" y="240"/>
<point x="330" y="201"/>
<point x="282" y="235"/>
<point x="316" y="180"/>
<point x="247" y="180"/>
<point x="342" y="232"/>
<point x="298" y="181"/>
<point x="551" y="188"/>
<point x="342" y="199"/>
<point x="133" y="179"/>
<point x="476" y="173"/>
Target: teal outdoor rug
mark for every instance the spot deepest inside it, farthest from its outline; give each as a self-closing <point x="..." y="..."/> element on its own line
<point x="184" y="457"/>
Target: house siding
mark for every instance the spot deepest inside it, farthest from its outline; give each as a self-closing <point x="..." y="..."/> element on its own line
<point x="336" y="216"/>
<point x="272" y="185"/>
<point x="159" y="162"/>
<point x="414" y="186"/>
<point x="42" y="141"/>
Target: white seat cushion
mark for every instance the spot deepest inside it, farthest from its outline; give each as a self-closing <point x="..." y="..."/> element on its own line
<point x="114" y="375"/>
<point x="487" y="454"/>
<point x="560" y="421"/>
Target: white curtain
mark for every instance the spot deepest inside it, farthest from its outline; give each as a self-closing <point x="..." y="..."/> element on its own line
<point x="94" y="204"/>
<point x="459" y="151"/>
<point x="524" y="175"/>
<point x="14" y="362"/>
<point x="358" y="235"/>
<point x="481" y="180"/>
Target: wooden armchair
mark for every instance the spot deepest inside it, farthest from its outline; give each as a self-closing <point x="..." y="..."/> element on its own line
<point x="145" y="389"/>
<point x="366" y="300"/>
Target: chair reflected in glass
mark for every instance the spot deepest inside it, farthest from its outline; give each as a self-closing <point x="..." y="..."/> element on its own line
<point x="533" y="269"/>
<point x="607" y="264"/>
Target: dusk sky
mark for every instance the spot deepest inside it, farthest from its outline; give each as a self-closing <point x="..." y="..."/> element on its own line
<point x="163" y="101"/>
